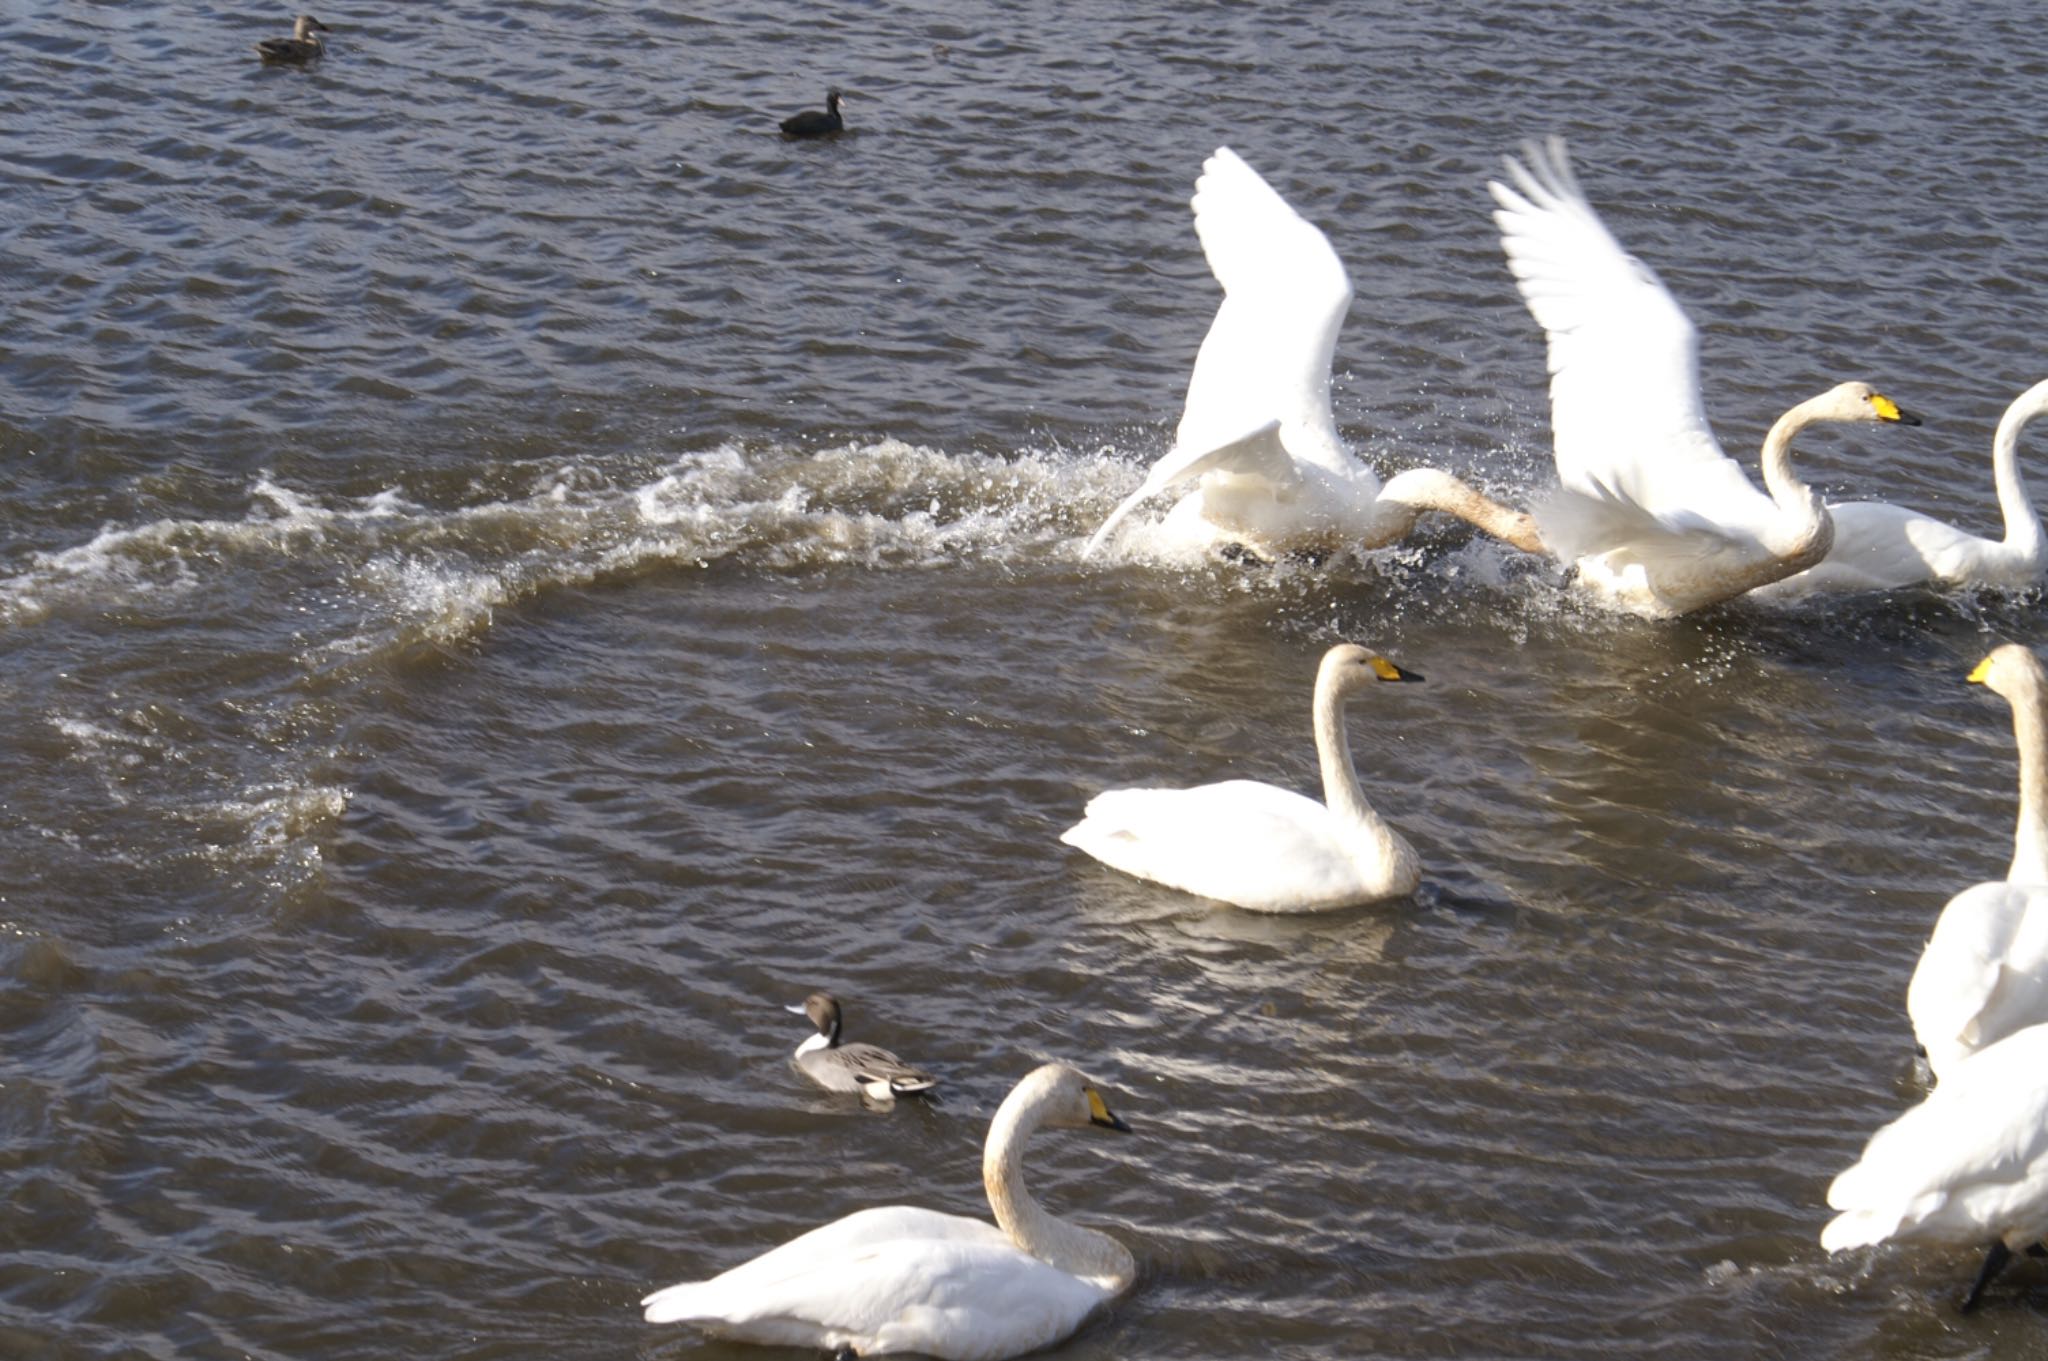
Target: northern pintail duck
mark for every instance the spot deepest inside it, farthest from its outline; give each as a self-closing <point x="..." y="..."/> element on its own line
<point x="866" y="1068"/>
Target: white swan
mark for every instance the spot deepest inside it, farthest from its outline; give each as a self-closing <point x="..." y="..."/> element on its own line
<point x="1656" y="518"/>
<point x="869" y="1069"/>
<point x="1257" y="846"/>
<point x="1984" y="973"/>
<point x="902" y="1279"/>
<point x="1879" y="546"/>
<point x="1969" y="1165"/>
<point x="1257" y="433"/>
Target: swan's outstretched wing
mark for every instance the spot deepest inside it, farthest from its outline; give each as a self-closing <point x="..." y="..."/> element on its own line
<point x="1627" y="423"/>
<point x="1252" y="453"/>
<point x="1267" y="355"/>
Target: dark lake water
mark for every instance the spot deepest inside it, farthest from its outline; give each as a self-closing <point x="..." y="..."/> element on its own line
<point x="511" y="573"/>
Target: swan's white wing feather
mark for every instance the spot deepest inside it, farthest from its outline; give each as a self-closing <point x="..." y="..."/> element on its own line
<point x="1984" y="973"/>
<point x="1627" y="422"/>
<point x="1967" y="1164"/>
<point x="1242" y="842"/>
<point x="1267" y="355"/>
<point x="1251" y="453"/>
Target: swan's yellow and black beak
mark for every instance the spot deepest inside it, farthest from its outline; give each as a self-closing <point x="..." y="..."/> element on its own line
<point x="1979" y="672"/>
<point x="1100" y="1114"/>
<point x="1889" y="410"/>
<point x="1387" y="671"/>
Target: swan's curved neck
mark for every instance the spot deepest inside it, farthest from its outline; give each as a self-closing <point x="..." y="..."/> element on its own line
<point x="1341" y="790"/>
<point x="2023" y="536"/>
<point x="2030" y="837"/>
<point x="1806" y="530"/>
<point x="1408" y="494"/>
<point x="1077" y="1251"/>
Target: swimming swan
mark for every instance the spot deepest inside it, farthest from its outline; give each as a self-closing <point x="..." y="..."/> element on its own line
<point x="811" y="123"/>
<point x="1656" y="518"/>
<point x="1878" y="545"/>
<point x="1257" y="434"/>
<point x="1984" y="973"/>
<point x="1968" y="1165"/>
<point x="1257" y="846"/>
<point x="902" y="1279"/>
<point x="865" y="1068"/>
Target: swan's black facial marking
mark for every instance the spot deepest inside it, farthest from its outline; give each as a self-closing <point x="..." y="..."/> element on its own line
<point x="1387" y="671"/>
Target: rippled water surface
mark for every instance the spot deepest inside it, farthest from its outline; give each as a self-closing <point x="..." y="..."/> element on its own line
<point x="510" y="573"/>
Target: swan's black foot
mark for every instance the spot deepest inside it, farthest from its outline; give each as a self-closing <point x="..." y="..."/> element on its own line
<point x="845" y="1352"/>
<point x="1994" y="1262"/>
<point x="2036" y="1250"/>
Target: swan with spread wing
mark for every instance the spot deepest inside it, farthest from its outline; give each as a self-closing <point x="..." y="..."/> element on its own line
<point x="1257" y="437"/>
<point x="1656" y="519"/>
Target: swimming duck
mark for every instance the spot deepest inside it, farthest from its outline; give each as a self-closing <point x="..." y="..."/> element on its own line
<point x="865" y="1068"/>
<point x="811" y="123"/>
<point x="298" y="49"/>
<point x="902" y="1279"/>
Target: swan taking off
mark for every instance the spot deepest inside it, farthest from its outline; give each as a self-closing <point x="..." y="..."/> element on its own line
<point x="1880" y="546"/>
<point x="902" y="1279"/>
<point x="1984" y="973"/>
<point x="1257" y="436"/>
<point x="1656" y="518"/>
<point x="1969" y="1165"/>
<point x="869" y="1069"/>
<point x="1257" y="846"/>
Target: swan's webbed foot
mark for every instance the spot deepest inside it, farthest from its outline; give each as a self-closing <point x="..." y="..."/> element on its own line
<point x="843" y="1352"/>
<point x="1994" y="1262"/>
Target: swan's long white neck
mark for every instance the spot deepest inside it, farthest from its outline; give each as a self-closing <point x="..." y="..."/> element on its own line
<point x="1077" y="1251"/>
<point x="2023" y="536"/>
<point x="1408" y="494"/>
<point x="1805" y="530"/>
<point x="1341" y="790"/>
<point x="2030" y="733"/>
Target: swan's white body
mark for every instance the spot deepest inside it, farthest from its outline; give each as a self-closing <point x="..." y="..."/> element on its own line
<point x="1984" y="973"/>
<point x="1657" y="520"/>
<point x="1257" y="846"/>
<point x="902" y="1279"/>
<point x="1879" y="546"/>
<point x="1967" y="1165"/>
<point x="1257" y="435"/>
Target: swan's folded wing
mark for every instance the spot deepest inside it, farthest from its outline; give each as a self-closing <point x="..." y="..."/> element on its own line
<point x="935" y="1296"/>
<point x="1626" y="417"/>
<point x="1239" y="842"/>
<point x="1252" y="453"/>
<point x="1956" y="1165"/>
<point x="1267" y="355"/>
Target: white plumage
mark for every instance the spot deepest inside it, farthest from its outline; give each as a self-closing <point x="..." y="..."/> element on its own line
<point x="1657" y="520"/>
<point x="1984" y="973"/>
<point x="1881" y="546"/>
<point x="903" y="1279"/>
<point x="1257" y="434"/>
<point x="1258" y="846"/>
<point x="1969" y="1165"/>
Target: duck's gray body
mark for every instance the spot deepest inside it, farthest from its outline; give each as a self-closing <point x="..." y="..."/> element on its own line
<point x="298" y="49"/>
<point x="865" y="1068"/>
